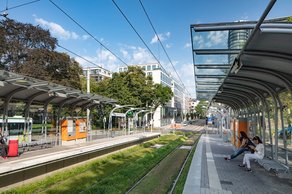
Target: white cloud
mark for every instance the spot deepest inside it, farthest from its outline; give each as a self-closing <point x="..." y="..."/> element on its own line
<point x="186" y="73"/>
<point x="135" y="55"/>
<point x="217" y="37"/>
<point x="124" y="53"/>
<point x="106" y="57"/>
<point x="85" y="37"/>
<point x="187" y="45"/>
<point x="213" y="38"/>
<point x="85" y="63"/>
<point x="162" y="37"/>
<point x="198" y="41"/>
<point x="58" y="31"/>
<point x="168" y="45"/>
<point x="74" y="35"/>
<point x="141" y="55"/>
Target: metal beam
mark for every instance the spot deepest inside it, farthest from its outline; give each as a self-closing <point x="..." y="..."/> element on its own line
<point x="216" y="51"/>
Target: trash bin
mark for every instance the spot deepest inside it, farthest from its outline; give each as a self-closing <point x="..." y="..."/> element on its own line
<point x="12" y="148"/>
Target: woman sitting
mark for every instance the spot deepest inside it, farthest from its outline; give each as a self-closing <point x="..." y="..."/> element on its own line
<point x="258" y="153"/>
<point x="245" y="143"/>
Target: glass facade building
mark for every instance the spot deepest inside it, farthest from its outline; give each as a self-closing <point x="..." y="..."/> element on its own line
<point x="236" y="40"/>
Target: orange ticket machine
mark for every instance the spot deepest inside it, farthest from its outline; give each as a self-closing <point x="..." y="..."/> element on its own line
<point x="73" y="130"/>
<point x="240" y="125"/>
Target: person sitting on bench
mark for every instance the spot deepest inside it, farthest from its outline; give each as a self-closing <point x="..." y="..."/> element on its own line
<point x="245" y="142"/>
<point x="258" y="153"/>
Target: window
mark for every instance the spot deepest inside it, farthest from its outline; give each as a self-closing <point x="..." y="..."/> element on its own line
<point x="148" y="67"/>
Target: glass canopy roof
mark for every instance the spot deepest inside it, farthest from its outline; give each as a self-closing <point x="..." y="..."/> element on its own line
<point x="214" y="50"/>
<point x="238" y="62"/>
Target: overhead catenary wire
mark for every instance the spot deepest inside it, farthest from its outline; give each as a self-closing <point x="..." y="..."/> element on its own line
<point x="80" y="57"/>
<point x="156" y="34"/>
<point x="18" y="5"/>
<point x="135" y="31"/>
<point x="78" y="24"/>
<point x="128" y="21"/>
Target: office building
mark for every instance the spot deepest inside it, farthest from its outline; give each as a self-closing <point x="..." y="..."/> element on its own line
<point x="177" y="107"/>
<point x="97" y="73"/>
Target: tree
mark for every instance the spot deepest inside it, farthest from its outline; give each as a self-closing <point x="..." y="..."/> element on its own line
<point x="19" y="39"/>
<point x="134" y="87"/>
<point x="201" y="109"/>
<point x="163" y="94"/>
<point x="93" y="84"/>
<point x="29" y="50"/>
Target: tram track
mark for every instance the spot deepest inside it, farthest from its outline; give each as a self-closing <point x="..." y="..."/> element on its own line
<point x="197" y="128"/>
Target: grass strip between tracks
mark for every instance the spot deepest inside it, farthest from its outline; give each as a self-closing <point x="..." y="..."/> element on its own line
<point x="183" y="177"/>
<point x="114" y="173"/>
<point x="160" y="179"/>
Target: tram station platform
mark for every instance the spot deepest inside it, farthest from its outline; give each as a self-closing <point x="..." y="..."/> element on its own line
<point x="210" y="173"/>
<point x="34" y="163"/>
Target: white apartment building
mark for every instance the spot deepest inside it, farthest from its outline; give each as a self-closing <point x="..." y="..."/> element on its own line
<point x="174" y="110"/>
<point x="97" y="73"/>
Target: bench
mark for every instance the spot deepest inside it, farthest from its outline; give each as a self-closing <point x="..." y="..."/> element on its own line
<point x="273" y="166"/>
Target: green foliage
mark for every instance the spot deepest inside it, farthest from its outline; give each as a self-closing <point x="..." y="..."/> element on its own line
<point x="201" y="109"/>
<point x="93" y="84"/>
<point x="289" y="19"/>
<point x="163" y="94"/>
<point x="134" y="87"/>
<point x="111" y="174"/>
<point x="30" y="50"/>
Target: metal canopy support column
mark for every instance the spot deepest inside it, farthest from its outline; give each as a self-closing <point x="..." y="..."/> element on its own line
<point x="45" y="119"/>
<point x="260" y="95"/>
<point x="5" y="107"/>
<point x="288" y="85"/>
<point x="277" y="103"/>
<point x="58" y="133"/>
<point x="26" y="113"/>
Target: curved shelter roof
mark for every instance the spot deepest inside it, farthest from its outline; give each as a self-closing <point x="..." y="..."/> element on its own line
<point x="25" y="88"/>
<point x="261" y="68"/>
<point x="264" y="64"/>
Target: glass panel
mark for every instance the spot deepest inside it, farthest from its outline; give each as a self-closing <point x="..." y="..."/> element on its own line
<point x="204" y="96"/>
<point x="210" y="40"/>
<point x="207" y="87"/>
<point x="225" y="39"/>
<point x="209" y="80"/>
<point x="213" y="59"/>
<point x="211" y="71"/>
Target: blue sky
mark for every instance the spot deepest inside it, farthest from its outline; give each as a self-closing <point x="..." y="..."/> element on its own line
<point x="171" y="19"/>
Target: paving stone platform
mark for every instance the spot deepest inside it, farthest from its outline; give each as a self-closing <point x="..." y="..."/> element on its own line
<point x="210" y="173"/>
